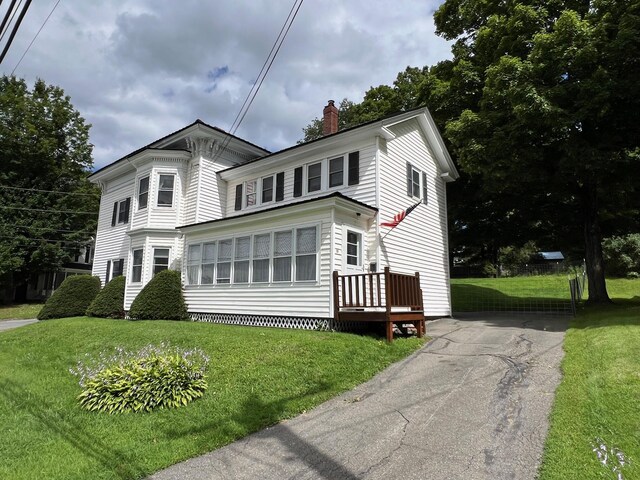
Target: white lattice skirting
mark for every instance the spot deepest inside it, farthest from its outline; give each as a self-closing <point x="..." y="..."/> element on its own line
<point x="303" y="323"/>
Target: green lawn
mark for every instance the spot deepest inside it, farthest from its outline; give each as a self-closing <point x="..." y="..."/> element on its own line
<point x="599" y="397"/>
<point x="511" y="293"/>
<point x="256" y="376"/>
<point x="27" y="310"/>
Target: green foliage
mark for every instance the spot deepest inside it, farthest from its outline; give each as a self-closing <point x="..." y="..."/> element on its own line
<point x="622" y="255"/>
<point x="160" y="299"/>
<point x="513" y="258"/>
<point x="72" y="298"/>
<point x="142" y="381"/>
<point x="44" y="147"/>
<point x="109" y="303"/>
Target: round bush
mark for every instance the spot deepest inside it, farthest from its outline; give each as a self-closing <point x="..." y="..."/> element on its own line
<point x="72" y="297"/>
<point x="160" y="299"/>
<point x="154" y="377"/>
<point x="110" y="301"/>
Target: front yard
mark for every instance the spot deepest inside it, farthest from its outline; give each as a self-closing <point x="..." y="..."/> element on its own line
<point x="597" y="406"/>
<point x="23" y="311"/>
<point x="256" y="377"/>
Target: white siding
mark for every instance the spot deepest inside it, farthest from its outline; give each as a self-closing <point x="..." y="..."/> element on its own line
<point x="419" y="243"/>
<point x="290" y="299"/>
<point x="191" y="195"/>
<point x="112" y="242"/>
<point x="167" y="217"/>
<point x="364" y="191"/>
<point x="212" y="192"/>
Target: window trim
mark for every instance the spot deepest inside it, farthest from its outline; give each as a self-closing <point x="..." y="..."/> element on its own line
<point x="413" y="170"/>
<point x="361" y="236"/>
<point x="173" y="190"/>
<point x="139" y="193"/>
<point x="343" y="179"/>
<point x="153" y="258"/>
<point x="273" y="189"/>
<point x="320" y="176"/>
<point x="110" y="268"/>
<point x="136" y="265"/>
<point x="245" y="193"/>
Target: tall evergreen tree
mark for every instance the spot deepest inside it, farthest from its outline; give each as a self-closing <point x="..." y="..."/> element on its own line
<point x="48" y="209"/>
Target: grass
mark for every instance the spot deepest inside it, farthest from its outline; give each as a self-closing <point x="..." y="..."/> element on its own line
<point x="599" y="397"/>
<point x="511" y="293"/>
<point x="256" y="377"/>
<point x="27" y="310"/>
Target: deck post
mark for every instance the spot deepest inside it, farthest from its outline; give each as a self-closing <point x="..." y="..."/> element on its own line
<point x="388" y="296"/>
<point x="336" y="297"/>
<point x="421" y="326"/>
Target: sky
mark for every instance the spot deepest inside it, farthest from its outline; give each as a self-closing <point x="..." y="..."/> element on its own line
<point x="137" y="70"/>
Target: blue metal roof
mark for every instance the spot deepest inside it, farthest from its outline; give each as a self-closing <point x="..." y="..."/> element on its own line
<point x="552" y="255"/>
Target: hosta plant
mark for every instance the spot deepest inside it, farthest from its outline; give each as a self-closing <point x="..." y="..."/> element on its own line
<point x="153" y="377"/>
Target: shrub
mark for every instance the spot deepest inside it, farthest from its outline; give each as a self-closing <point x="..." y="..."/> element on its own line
<point x="72" y="297"/>
<point x="109" y="303"/>
<point x="153" y="377"/>
<point x="622" y="255"/>
<point x="160" y="299"/>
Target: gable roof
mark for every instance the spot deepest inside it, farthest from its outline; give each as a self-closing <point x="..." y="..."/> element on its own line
<point x="155" y="143"/>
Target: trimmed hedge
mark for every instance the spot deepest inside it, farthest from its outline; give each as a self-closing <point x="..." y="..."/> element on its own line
<point x="160" y="299"/>
<point x="72" y="297"/>
<point x="110" y="301"/>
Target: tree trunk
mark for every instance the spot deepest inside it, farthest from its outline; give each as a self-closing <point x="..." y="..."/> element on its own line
<point x="593" y="247"/>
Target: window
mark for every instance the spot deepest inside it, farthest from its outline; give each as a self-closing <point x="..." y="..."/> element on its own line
<point x="261" y="252"/>
<point x="121" y="212"/>
<point x="238" y="202"/>
<point x="114" y="269"/>
<point x="250" y="193"/>
<point x="160" y="260"/>
<point x="354" y="247"/>
<point x="424" y="188"/>
<point x="282" y="242"/>
<point x="306" y="254"/>
<point x="165" y="190"/>
<point x="223" y="266"/>
<point x="314" y="177"/>
<point x="267" y="189"/>
<point x="241" y="260"/>
<point x="136" y="266"/>
<point x="336" y="172"/>
<point x="208" y="263"/>
<point x="413" y="181"/>
<point x="193" y="264"/>
<point x="143" y="192"/>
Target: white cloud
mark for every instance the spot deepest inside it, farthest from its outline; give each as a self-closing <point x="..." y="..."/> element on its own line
<point x="139" y="69"/>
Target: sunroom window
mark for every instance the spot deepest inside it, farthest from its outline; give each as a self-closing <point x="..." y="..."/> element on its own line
<point x="261" y="252"/>
<point x="223" y="266"/>
<point x="306" y="254"/>
<point x="241" y="260"/>
<point x="282" y="243"/>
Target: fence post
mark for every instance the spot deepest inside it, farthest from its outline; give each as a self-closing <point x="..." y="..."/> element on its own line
<point x="388" y="297"/>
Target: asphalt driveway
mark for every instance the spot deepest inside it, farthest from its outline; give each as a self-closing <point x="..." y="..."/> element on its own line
<point x="472" y="404"/>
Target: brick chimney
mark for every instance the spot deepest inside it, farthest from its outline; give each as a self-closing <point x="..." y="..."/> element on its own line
<point x="330" y="119"/>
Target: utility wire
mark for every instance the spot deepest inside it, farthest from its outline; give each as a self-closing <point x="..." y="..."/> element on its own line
<point x="10" y="14"/>
<point x="47" y="191"/>
<point x="48" y="229"/>
<point x="266" y="66"/>
<point x="49" y="211"/>
<point x="45" y="240"/>
<point x="15" y="30"/>
<point x="34" y="38"/>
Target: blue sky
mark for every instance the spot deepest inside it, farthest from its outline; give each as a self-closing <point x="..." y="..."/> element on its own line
<point x="138" y="69"/>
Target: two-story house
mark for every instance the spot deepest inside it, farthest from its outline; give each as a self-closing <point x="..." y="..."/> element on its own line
<point x="257" y="235"/>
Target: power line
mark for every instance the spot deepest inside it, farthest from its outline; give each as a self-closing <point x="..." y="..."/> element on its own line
<point x="266" y="66"/>
<point x="45" y="240"/>
<point x="10" y="14"/>
<point x="47" y="191"/>
<point x="49" y="229"/>
<point x="15" y="30"/>
<point x="34" y="38"/>
<point x="48" y="211"/>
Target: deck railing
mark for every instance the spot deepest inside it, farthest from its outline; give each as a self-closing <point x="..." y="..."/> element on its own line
<point x="379" y="297"/>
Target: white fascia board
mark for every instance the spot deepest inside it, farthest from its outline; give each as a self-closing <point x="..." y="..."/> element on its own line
<point x="168" y="232"/>
<point x="437" y="145"/>
<point x="300" y="153"/>
<point x="132" y="163"/>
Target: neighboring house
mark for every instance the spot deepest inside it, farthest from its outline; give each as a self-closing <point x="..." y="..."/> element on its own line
<point x="257" y="235"/>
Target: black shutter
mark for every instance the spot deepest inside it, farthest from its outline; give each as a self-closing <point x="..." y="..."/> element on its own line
<point x="238" y="197"/>
<point x="409" y="182"/>
<point x="114" y="217"/>
<point x="424" y="188"/>
<point x="106" y="278"/>
<point x="297" y="182"/>
<point x="354" y="168"/>
<point x="121" y="266"/>
<point x="127" y="207"/>
<point x="280" y="186"/>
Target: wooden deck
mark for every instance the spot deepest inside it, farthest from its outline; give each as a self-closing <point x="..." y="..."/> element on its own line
<point x="379" y="297"/>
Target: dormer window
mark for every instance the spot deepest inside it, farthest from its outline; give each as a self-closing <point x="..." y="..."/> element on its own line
<point x="165" y="190"/>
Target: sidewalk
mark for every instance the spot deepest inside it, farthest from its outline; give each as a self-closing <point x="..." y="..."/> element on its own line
<point x="472" y="404"/>
<point x="9" y="324"/>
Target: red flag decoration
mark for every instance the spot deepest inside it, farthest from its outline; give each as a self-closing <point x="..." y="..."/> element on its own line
<point x="398" y="217"/>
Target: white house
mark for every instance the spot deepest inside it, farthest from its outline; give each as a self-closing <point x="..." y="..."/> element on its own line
<point x="257" y="235"/>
